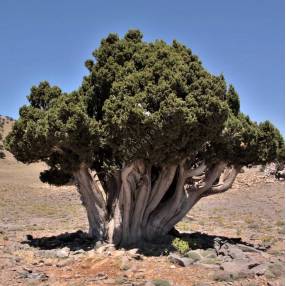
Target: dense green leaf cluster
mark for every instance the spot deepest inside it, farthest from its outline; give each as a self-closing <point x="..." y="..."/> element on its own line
<point x="151" y="101"/>
<point x="244" y="142"/>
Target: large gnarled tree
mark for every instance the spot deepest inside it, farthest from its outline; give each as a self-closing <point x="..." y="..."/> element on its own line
<point x="147" y="135"/>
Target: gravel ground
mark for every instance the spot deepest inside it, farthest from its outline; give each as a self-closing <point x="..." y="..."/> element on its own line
<point x="252" y="210"/>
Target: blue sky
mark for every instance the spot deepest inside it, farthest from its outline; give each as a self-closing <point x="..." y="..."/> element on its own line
<point x="50" y="40"/>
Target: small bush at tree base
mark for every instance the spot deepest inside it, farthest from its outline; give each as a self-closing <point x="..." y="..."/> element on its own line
<point x="180" y="245"/>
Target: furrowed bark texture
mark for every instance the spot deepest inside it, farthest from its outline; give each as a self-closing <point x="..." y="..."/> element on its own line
<point x="92" y="198"/>
<point x="135" y="204"/>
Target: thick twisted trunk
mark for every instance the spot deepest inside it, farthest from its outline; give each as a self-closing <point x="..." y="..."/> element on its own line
<point x="93" y="201"/>
<point x="131" y="208"/>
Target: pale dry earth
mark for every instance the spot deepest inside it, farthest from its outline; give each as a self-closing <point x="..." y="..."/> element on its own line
<point x="253" y="210"/>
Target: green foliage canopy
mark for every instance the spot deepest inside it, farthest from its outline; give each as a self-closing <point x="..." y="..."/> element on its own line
<point x="151" y="101"/>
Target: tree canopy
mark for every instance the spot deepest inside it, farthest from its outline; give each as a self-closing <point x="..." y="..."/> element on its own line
<point x="140" y="100"/>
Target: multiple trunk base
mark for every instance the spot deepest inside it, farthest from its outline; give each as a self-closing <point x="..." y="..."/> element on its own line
<point x="141" y="202"/>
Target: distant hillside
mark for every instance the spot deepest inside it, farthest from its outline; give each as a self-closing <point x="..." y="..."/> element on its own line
<point x="8" y="123"/>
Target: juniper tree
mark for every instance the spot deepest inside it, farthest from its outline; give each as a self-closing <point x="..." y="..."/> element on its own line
<point x="147" y="134"/>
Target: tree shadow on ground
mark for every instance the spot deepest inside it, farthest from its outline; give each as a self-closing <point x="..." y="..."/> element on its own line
<point x="162" y="246"/>
<point x="74" y="241"/>
<point x="196" y="240"/>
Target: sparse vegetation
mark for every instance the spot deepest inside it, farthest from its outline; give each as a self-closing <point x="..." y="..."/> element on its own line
<point x="238" y="231"/>
<point x="184" y="226"/>
<point x="254" y="225"/>
<point x="159" y="282"/>
<point x="274" y="270"/>
<point x="249" y="220"/>
<point x="181" y="245"/>
<point x="267" y="239"/>
<point x="280" y="223"/>
<point x="222" y="277"/>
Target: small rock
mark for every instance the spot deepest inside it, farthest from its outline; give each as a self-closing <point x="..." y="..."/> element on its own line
<point x="90" y="253"/>
<point x="125" y="265"/>
<point x="133" y="251"/>
<point x="17" y="259"/>
<point x="232" y="251"/>
<point x="263" y="246"/>
<point x="236" y="253"/>
<point x="211" y="261"/>
<point x="238" y="269"/>
<point x="234" y="266"/>
<point x="259" y="269"/>
<point x="210" y="266"/>
<point x="210" y="253"/>
<point x="80" y="251"/>
<point x="139" y="276"/>
<point x="117" y="253"/>
<point x="63" y="263"/>
<point x="27" y="269"/>
<point x="193" y="254"/>
<point x="63" y="253"/>
<point x="182" y="261"/>
<point x="246" y="248"/>
<point x="121" y="280"/>
<point x="34" y="275"/>
<point x="49" y="262"/>
<point x="52" y="253"/>
<point x="104" y="248"/>
<point x="99" y="276"/>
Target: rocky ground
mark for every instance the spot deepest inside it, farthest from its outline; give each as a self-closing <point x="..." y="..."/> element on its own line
<point x="236" y="238"/>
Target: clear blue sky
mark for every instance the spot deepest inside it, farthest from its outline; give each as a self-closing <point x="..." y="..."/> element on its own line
<point x="50" y="40"/>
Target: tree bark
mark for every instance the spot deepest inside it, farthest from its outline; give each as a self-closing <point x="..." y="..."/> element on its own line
<point x="93" y="202"/>
<point x="129" y="208"/>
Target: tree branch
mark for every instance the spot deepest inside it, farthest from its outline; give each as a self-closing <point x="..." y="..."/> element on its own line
<point x="192" y="197"/>
<point x="93" y="201"/>
<point x="211" y="177"/>
<point x="125" y="200"/>
<point x="225" y="184"/>
<point x="196" y="171"/>
<point x="161" y="186"/>
<point x="143" y="190"/>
